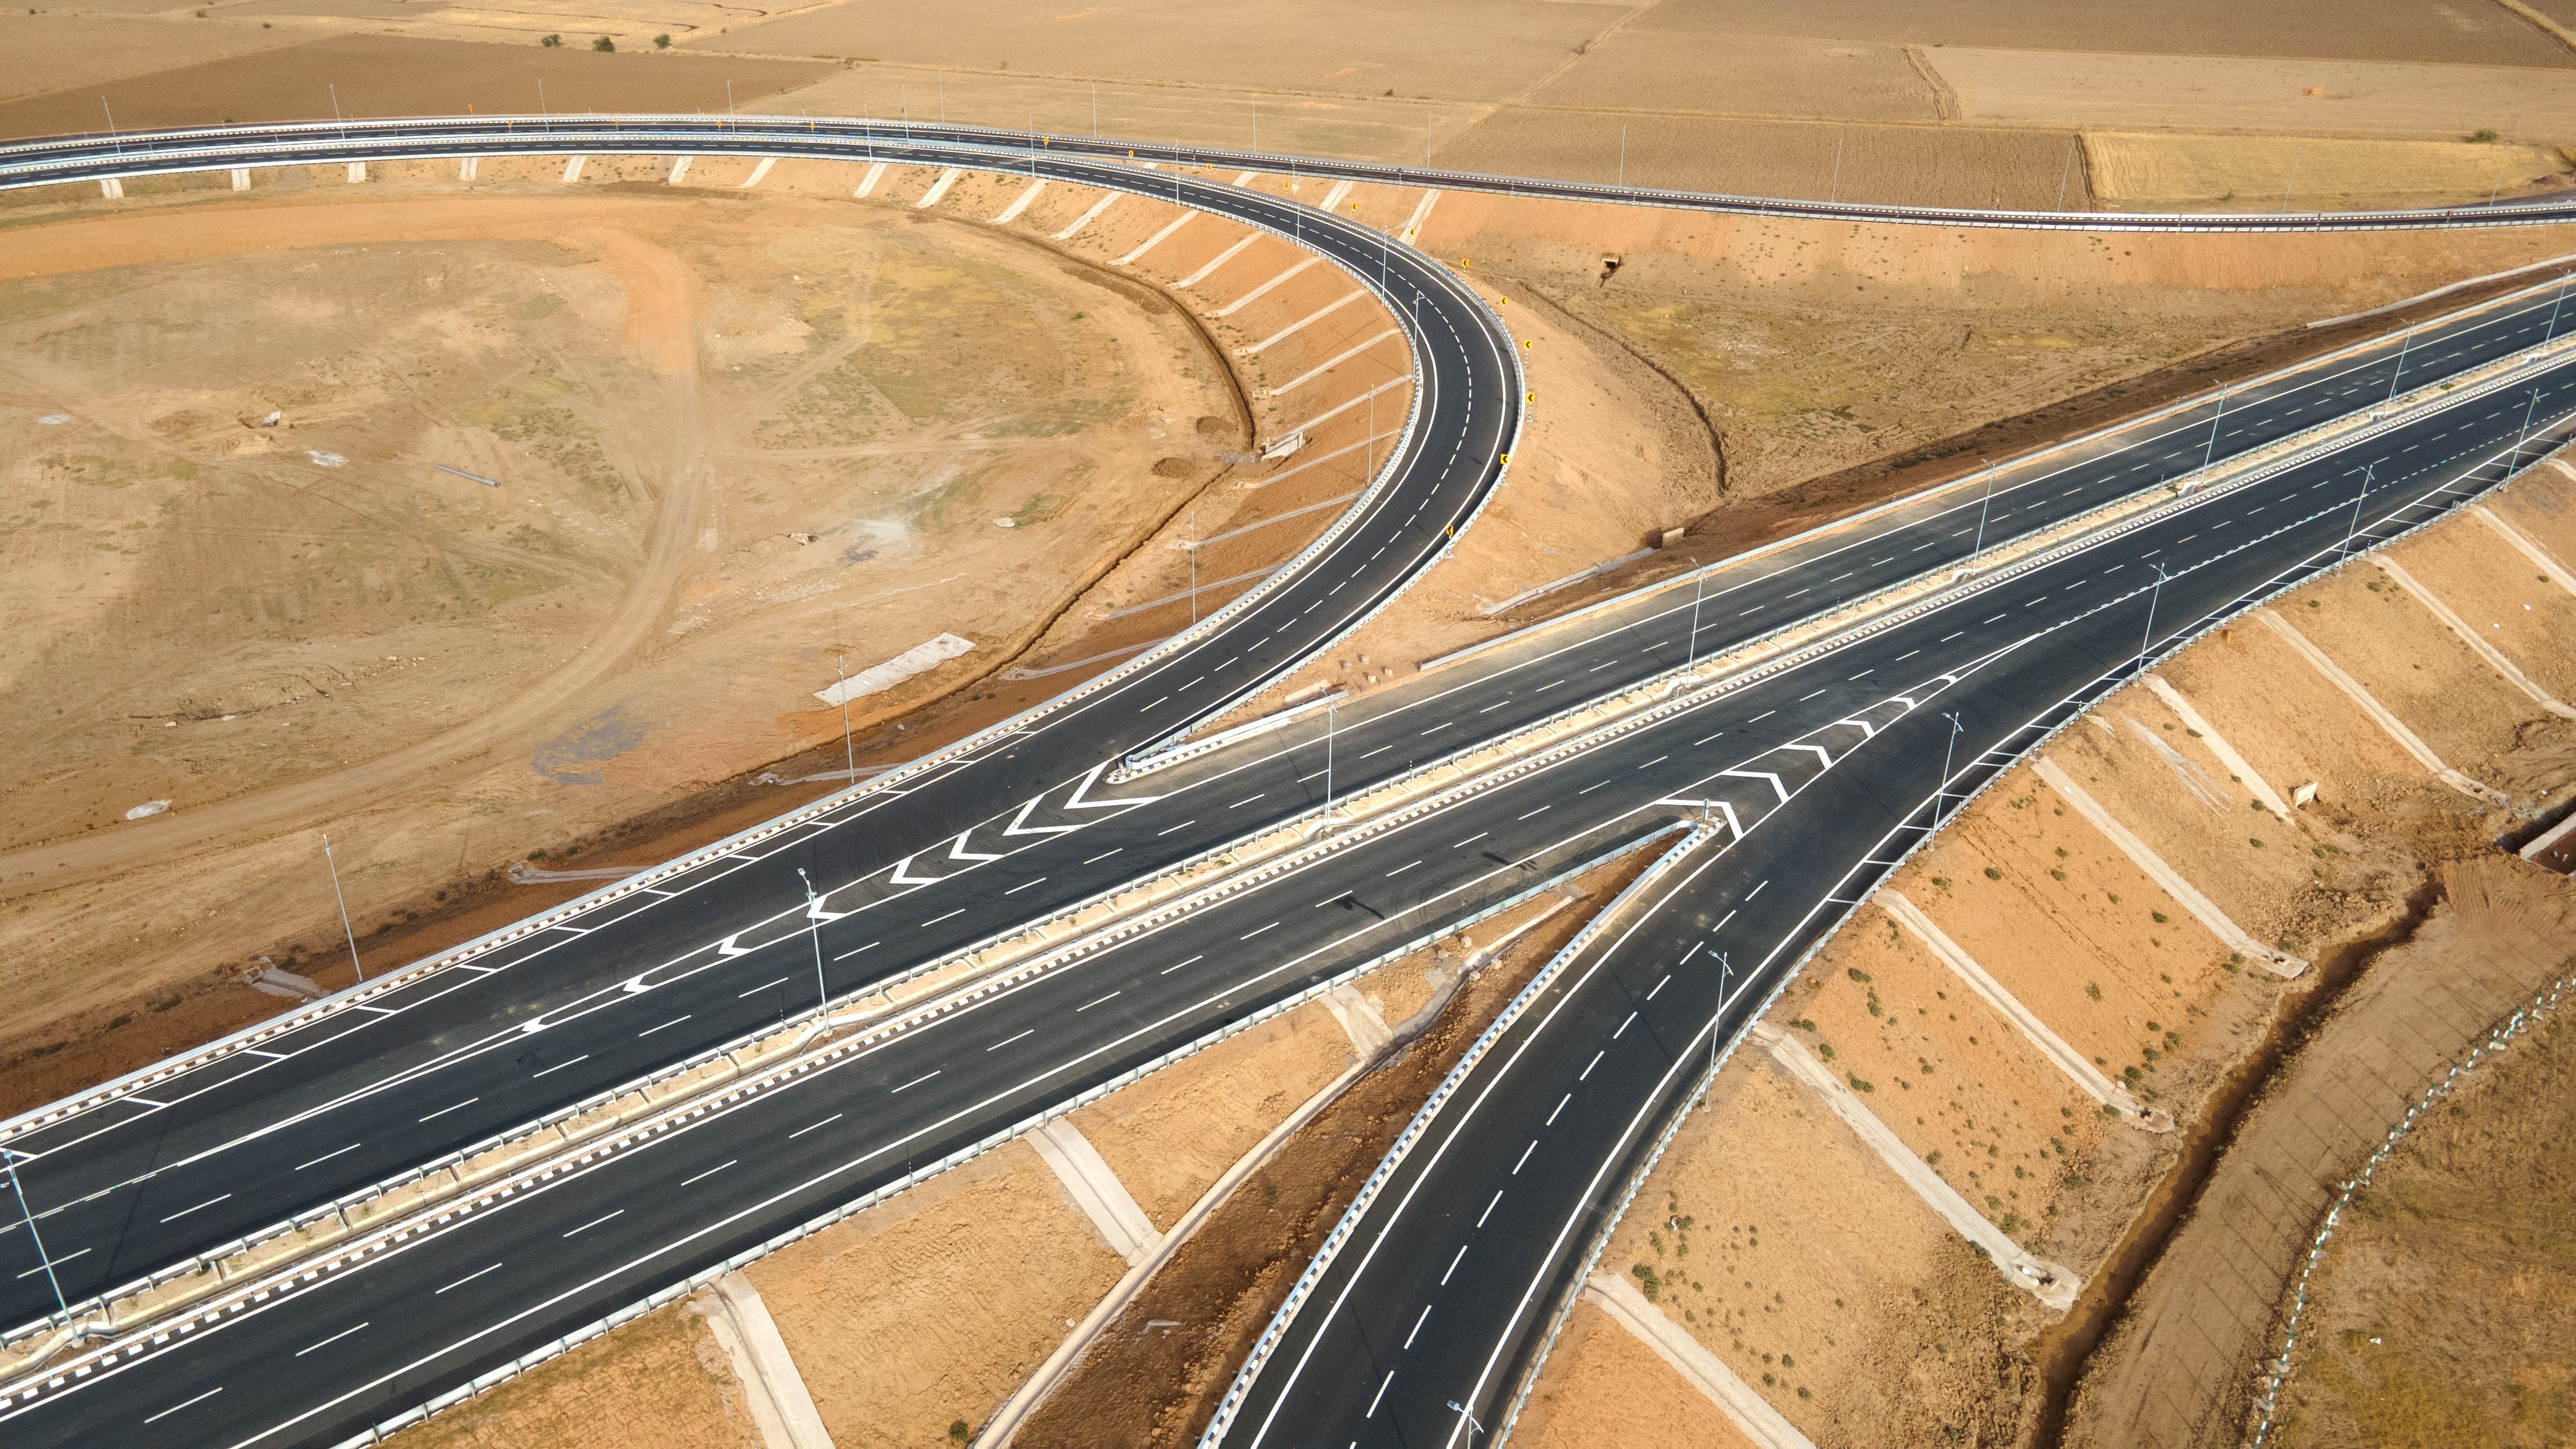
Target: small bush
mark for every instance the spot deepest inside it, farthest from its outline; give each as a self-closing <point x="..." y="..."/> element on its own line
<point x="1856" y="973"/>
<point x="2483" y="136"/>
<point x="1993" y="874"/>
<point x="958" y="1429"/>
<point x="661" y="42"/>
<point x="551" y="41"/>
<point x="603" y="43"/>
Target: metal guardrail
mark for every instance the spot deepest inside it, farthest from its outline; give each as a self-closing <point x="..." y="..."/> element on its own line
<point x="79" y="157"/>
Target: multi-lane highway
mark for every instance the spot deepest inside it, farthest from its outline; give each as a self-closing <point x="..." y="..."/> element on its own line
<point x="1429" y="1315"/>
<point x="1010" y="831"/>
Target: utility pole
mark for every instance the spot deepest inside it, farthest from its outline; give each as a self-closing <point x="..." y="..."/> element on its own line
<point x="1836" y="194"/>
<point x="11" y="1159"/>
<point x="336" y="118"/>
<point x="115" y="144"/>
<point x="2211" y="452"/>
<point x="1623" y="157"/>
<point x="814" y="928"/>
<point x="2406" y="342"/>
<point x="1193" y="552"/>
<point x="849" y="753"/>
<point x="1095" y="110"/>
<point x="334" y="866"/>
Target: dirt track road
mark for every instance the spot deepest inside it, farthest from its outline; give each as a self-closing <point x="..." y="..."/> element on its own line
<point x="665" y="303"/>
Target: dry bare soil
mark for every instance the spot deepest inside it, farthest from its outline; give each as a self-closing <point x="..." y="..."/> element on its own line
<point x="736" y="443"/>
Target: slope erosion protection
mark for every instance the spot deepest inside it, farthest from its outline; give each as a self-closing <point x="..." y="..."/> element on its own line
<point x="2059" y="1015"/>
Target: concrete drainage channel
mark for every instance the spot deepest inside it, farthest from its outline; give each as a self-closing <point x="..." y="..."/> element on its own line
<point x="237" y="1272"/>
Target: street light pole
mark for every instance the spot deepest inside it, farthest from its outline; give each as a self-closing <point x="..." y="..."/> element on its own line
<point x="2355" y="526"/>
<point x="849" y="755"/>
<point x="11" y="1159"/>
<point x="2524" y="436"/>
<point x="334" y="865"/>
<point x="1949" y="753"/>
<point x="1328" y="764"/>
<point x="2149" y="637"/>
<point x="814" y="928"/>
<point x="1699" y="585"/>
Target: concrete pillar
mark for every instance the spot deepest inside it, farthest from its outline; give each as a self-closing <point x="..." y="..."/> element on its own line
<point x="112" y="187"/>
<point x="241" y="178"/>
<point x="357" y="172"/>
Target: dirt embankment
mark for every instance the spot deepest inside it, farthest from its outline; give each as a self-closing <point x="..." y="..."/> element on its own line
<point x="1744" y="380"/>
<point x="1154" y="1376"/>
<point x="1801" y="1261"/>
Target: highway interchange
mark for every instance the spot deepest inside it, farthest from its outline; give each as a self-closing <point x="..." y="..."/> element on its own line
<point x="1029" y="823"/>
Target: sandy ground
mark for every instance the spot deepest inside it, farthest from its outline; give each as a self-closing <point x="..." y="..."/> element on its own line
<point x="2386" y="858"/>
<point x="52" y="52"/>
<point x="1170" y="1136"/>
<point x="1607" y="1388"/>
<point x="932" y="1307"/>
<point x="1789" y="1252"/>
<point x="729" y="433"/>
<point x="2441" y="1313"/>
<point x="658" y="1383"/>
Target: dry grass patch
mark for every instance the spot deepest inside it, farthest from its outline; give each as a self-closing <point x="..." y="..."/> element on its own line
<point x="2262" y="173"/>
<point x="2310" y="98"/>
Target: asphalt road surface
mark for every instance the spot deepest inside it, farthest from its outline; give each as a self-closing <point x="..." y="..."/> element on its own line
<point x="1014" y="833"/>
<point x="948" y="860"/>
<point x="1819" y="766"/>
<point x="1432" y="1316"/>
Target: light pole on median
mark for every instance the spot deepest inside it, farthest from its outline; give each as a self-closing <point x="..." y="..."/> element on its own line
<point x="11" y="1159"/>
<point x="2355" y="526"/>
<point x="2402" y="345"/>
<point x="2148" y="638"/>
<point x="814" y="928"/>
<point x="1328" y="764"/>
<point x="2524" y="436"/>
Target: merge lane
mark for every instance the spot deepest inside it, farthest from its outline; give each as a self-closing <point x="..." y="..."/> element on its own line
<point x="1527" y="1243"/>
